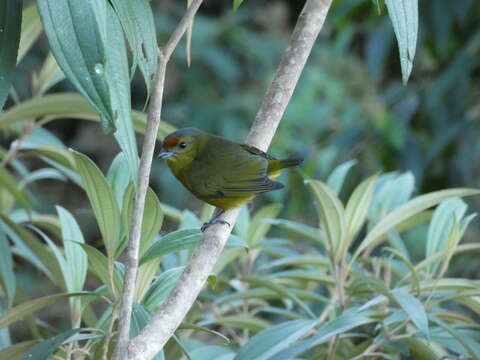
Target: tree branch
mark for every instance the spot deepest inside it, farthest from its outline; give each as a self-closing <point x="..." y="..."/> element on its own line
<point x="171" y="313"/>
<point x="153" y="121"/>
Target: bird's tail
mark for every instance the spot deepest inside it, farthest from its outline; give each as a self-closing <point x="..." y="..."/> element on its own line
<point x="285" y="163"/>
<point x="274" y="166"/>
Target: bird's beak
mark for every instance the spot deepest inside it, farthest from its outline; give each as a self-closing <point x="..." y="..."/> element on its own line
<point x="166" y="154"/>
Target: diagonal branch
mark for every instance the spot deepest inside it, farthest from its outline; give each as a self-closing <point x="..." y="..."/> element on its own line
<point x="153" y="121"/>
<point x="171" y="313"/>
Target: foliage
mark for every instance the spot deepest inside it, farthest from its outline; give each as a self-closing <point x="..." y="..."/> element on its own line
<point x="371" y="279"/>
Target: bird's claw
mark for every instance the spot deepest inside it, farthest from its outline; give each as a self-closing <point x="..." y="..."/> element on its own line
<point x="213" y="222"/>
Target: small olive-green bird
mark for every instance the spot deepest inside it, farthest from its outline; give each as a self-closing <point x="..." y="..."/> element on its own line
<point x="219" y="171"/>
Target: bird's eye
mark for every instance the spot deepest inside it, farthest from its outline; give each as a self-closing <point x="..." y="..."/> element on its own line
<point x="182" y="145"/>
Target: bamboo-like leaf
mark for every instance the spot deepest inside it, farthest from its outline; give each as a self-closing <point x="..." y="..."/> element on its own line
<point x="146" y="273"/>
<point x="161" y="287"/>
<point x="258" y="228"/>
<point x="357" y="209"/>
<point x="11" y="185"/>
<point x="102" y="200"/>
<point x="236" y="4"/>
<point x="68" y="105"/>
<point x="14" y="351"/>
<point x="31" y="30"/>
<point x="404" y="17"/>
<point x="44" y="349"/>
<point x="137" y="22"/>
<point x="118" y="80"/>
<point x="282" y="291"/>
<point x="407" y="210"/>
<point x="271" y="341"/>
<point x="118" y="178"/>
<point x="99" y="265"/>
<point x="444" y="217"/>
<point x="7" y="273"/>
<point x="32" y="249"/>
<point x="75" y="256"/>
<point x="181" y="240"/>
<point x="337" y="177"/>
<point x="50" y="74"/>
<point x="250" y="322"/>
<point x="29" y="307"/>
<point x="340" y="325"/>
<point x="414" y="308"/>
<point x="332" y="215"/>
<point x="10" y="26"/>
<point x="76" y="41"/>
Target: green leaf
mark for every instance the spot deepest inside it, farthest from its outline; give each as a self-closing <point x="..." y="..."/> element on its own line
<point x="211" y="352"/>
<point x="69" y="105"/>
<point x="357" y="208"/>
<point x="44" y="349"/>
<point x="152" y="220"/>
<point x="50" y="75"/>
<point x="444" y="217"/>
<point x="161" y="288"/>
<point x="14" y="351"/>
<point x="259" y="228"/>
<point x="340" y="325"/>
<point x="76" y="42"/>
<point x="407" y="210"/>
<point x="29" y="307"/>
<point x="32" y="249"/>
<point x="6" y="269"/>
<point x="116" y="73"/>
<point x="301" y="229"/>
<point x="250" y="322"/>
<point x="414" y="308"/>
<point x="10" y="26"/>
<point x="172" y="242"/>
<point x="184" y="239"/>
<point x="268" y="284"/>
<point x="100" y="266"/>
<point x="404" y="17"/>
<point x="332" y="215"/>
<point x="236" y="4"/>
<point x="136" y="18"/>
<point x="337" y="177"/>
<point x="11" y="185"/>
<point x="31" y="30"/>
<point x="146" y="273"/>
<point x="75" y="256"/>
<point x="188" y="326"/>
<point x="102" y="200"/>
<point x="269" y="342"/>
<point x="118" y="178"/>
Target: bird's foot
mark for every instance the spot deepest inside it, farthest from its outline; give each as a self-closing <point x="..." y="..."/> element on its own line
<point x="213" y="222"/>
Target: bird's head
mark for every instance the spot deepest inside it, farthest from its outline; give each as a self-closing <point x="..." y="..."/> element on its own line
<point x="181" y="146"/>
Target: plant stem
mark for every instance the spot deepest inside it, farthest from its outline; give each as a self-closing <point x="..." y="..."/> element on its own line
<point x="153" y="122"/>
<point x="170" y="314"/>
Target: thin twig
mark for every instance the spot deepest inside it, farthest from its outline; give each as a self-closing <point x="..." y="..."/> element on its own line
<point x="170" y="314"/>
<point x="153" y="122"/>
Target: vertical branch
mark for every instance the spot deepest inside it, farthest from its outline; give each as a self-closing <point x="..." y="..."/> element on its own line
<point x="171" y="313"/>
<point x="148" y="147"/>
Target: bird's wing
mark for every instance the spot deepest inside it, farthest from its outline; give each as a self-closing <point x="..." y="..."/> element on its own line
<point x="253" y="150"/>
<point x="233" y="174"/>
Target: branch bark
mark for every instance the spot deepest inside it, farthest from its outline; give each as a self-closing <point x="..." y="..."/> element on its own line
<point x="171" y="313"/>
<point x="148" y="147"/>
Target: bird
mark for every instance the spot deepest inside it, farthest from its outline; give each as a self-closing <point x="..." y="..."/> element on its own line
<point x="219" y="171"/>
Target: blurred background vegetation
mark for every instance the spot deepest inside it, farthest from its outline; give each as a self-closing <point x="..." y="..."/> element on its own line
<point x="350" y="103"/>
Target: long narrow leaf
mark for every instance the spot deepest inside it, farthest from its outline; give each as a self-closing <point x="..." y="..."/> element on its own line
<point x="102" y="200"/>
<point x="10" y="26"/>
